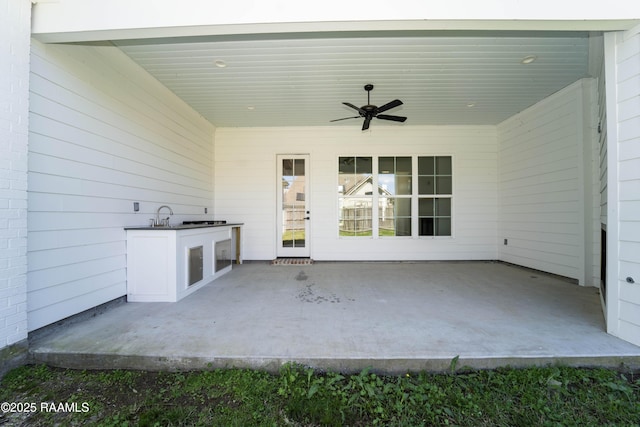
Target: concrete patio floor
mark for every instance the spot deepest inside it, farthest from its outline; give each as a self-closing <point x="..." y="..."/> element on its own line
<point x="392" y="317"/>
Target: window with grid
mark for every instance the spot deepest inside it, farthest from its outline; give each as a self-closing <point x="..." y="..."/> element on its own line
<point x="355" y="196"/>
<point x="407" y="196"/>
<point x="394" y="196"/>
<point x="435" y="189"/>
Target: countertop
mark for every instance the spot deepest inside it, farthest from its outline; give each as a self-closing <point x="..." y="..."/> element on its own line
<point x="183" y="226"/>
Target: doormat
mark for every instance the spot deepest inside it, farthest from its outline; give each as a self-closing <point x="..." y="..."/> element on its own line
<point x="292" y="261"/>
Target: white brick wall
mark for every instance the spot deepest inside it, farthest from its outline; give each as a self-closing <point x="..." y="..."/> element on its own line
<point x="15" y="16"/>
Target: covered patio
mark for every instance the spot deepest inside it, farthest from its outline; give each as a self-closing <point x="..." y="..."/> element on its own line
<point x="394" y="317"/>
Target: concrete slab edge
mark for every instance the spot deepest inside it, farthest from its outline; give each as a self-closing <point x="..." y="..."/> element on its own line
<point x="393" y="366"/>
<point x="13" y="356"/>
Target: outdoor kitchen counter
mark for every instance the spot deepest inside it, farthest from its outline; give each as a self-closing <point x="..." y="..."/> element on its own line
<point x="169" y="263"/>
<point x="184" y="226"/>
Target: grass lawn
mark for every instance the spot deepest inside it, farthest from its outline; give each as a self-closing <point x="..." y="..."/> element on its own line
<point x="553" y="396"/>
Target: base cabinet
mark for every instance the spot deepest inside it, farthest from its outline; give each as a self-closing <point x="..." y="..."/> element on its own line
<point x="168" y="265"/>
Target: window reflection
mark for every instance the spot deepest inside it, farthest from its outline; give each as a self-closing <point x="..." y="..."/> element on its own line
<point x="388" y="197"/>
<point x="355" y="201"/>
<point x="394" y="202"/>
<point x="293" y="203"/>
<point x="434" y="179"/>
<point x="355" y="216"/>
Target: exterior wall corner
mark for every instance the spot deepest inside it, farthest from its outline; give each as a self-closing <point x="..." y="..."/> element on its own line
<point x="14" y="92"/>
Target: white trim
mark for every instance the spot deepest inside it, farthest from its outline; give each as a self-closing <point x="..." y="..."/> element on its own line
<point x="613" y="220"/>
<point x="631" y="32"/>
<point x="306" y="250"/>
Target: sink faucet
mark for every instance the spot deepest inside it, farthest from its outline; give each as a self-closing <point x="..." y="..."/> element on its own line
<point x="158" y="214"/>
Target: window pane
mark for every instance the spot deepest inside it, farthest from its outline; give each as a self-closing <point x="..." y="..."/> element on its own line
<point x="443" y="207"/>
<point x="346" y="183"/>
<point x="395" y="217"/>
<point x="403" y="184"/>
<point x="386" y="184"/>
<point x="364" y="165"/>
<point x="287" y="167"/>
<point x="293" y="233"/>
<point x="386" y="166"/>
<point x="443" y="185"/>
<point x="298" y="167"/>
<point x="425" y="207"/>
<point x="403" y="227"/>
<point x="426" y="166"/>
<point x="426" y="185"/>
<point x="355" y="216"/>
<point x="443" y="165"/>
<point x="387" y="227"/>
<point x="426" y="226"/>
<point x="403" y="165"/>
<point x="403" y="207"/>
<point x="443" y="227"/>
<point x="346" y="165"/>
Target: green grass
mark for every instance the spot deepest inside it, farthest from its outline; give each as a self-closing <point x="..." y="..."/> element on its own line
<point x="553" y="396"/>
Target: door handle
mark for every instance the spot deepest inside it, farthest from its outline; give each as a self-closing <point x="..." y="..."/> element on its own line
<point x="306" y="217"/>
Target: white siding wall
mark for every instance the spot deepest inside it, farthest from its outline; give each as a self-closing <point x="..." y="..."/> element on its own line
<point x="14" y="113"/>
<point x="103" y="134"/>
<point x="245" y="189"/>
<point x="622" y="52"/>
<point x="591" y="183"/>
<point x="597" y="70"/>
<point x="546" y="202"/>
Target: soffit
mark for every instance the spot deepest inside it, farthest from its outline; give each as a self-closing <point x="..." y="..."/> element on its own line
<point x="302" y="79"/>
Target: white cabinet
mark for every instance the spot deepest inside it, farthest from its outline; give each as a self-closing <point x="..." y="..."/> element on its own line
<point x="169" y="264"/>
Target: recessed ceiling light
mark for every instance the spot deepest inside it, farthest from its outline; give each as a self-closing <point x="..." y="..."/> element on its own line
<point x="220" y="63"/>
<point x="471" y="104"/>
<point x="251" y="107"/>
<point x="528" y="59"/>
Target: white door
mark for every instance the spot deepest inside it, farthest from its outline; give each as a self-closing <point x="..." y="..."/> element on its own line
<point x="293" y="213"/>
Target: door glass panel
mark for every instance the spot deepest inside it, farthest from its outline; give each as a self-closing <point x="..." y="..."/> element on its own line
<point x="293" y="203"/>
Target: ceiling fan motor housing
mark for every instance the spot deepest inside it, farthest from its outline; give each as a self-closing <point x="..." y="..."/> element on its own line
<point x="371" y="111"/>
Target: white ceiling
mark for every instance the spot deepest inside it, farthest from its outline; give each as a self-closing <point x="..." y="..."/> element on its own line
<point x="302" y="79"/>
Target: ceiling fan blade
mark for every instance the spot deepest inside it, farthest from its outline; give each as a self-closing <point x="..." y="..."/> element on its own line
<point x="360" y="110"/>
<point x="345" y="118"/>
<point x="389" y="105"/>
<point x="392" y="118"/>
<point x="365" y="125"/>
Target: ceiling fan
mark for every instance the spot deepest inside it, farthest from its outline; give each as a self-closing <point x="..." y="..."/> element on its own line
<point x="371" y="111"/>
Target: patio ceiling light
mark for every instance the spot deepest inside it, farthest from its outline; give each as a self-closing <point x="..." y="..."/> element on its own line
<point x="528" y="59"/>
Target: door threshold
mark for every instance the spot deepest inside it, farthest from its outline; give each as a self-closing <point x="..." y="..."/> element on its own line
<point x="292" y="261"/>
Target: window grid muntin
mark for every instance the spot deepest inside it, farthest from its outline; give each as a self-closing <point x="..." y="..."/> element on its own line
<point x="355" y="200"/>
<point x="435" y="192"/>
<point x="442" y="220"/>
<point x="395" y="183"/>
